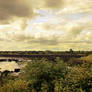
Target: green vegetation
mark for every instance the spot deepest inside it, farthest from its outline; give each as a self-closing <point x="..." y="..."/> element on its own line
<point x="47" y="76"/>
<point x="87" y="59"/>
<point x="43" y="52"/>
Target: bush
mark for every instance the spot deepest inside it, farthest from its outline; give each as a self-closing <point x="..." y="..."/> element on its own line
<point x="14" y="86"/>
<point x="79" y="77"/>
<point x="46" y="76"/>
<point x="43" y="75"/>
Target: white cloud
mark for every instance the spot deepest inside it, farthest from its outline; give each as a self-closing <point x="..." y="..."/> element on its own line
<point x="62" y="25"/>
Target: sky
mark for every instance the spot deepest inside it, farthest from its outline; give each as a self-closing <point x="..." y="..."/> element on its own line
<point x="58" y="25"/>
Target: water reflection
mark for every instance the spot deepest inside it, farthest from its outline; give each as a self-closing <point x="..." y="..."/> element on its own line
<point x="10" y="66"/>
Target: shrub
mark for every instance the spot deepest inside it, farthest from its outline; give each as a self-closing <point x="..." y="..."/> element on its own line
<point x="46" y="76"/>
<point x="43" y="75"/>
<point x="14" y="86"/>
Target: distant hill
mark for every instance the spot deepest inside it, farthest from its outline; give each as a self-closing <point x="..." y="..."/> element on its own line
<point x="87" y="58"/>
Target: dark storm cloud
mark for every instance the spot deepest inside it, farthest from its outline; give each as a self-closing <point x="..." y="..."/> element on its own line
<point x="76" y="30"/>
<point x="78" y="42"/>
<point x="17" y="8"/>
<point x="32" y="40"/>
<point x="44" y="41"/>
<point x="54" y="4"/>
<point x="22" y="37"/>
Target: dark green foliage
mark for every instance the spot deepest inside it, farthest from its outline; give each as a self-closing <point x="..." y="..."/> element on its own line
<point x="42" y="73"/>
<point x="46" y="76"/>
<point x="58" y="77"/>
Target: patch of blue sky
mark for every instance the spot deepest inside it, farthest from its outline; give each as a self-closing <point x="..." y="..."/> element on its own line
<point x="42" y="12"/>
<point x="78" y="15"/>
<point x="40" y="19"/>
<point x="45" y="12"/>
<point x="46" y="16"/>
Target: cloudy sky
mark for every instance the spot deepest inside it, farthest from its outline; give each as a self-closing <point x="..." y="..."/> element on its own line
<point x="45" y="25"/>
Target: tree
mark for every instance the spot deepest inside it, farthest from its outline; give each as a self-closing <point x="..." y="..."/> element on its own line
<point x="71" y="51"/>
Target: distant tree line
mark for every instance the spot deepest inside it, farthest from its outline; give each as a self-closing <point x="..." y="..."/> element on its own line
<point x="43" y="52"/>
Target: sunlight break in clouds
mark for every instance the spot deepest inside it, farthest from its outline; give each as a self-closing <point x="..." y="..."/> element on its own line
<point x="45" y="24"/>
